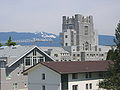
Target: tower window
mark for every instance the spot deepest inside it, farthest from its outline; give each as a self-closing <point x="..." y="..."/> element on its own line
<point x="66" y="36"/>
<point x="86" y="30"/>
<point x="66" y="44"/>
<point x="99" y="49"/>
<point x="86" y="46"/>
<point x="78" y="55"/>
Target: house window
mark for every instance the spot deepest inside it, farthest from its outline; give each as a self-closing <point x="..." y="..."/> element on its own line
<point x="90" y="85"/>
<point x="41" y="59"/>
<point x="75" y="76"/>
<point x="15" y="85"/>
<point x="86" y="86"/>
<point x="34" y="52"/>
<point x="43" y="87"/>
<point x="43" y="76"/>
<point x="27" y="61"/>
<point x="2" y="64"/>
<point x="88" y="75"/>
<point x="100" y="75"/>
<point x="75" y="87"/>
<point x="34" y="60"/>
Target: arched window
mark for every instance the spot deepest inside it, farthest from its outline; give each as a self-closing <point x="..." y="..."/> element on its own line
<point x="86" y="46"/>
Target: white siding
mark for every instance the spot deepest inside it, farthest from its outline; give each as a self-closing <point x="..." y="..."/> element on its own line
<point x="82" y="81"/>
<point x="51" y="82"/>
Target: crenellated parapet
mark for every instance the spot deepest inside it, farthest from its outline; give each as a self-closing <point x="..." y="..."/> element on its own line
<point x="77" y="18"/>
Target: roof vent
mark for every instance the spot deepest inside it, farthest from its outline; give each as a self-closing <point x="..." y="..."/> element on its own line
<point x="14" y="47"/>
<point x="1" y="48"/>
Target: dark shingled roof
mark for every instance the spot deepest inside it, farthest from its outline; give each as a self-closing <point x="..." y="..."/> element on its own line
<point x="76" y="66"/>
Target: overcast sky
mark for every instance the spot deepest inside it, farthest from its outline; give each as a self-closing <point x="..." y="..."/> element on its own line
<point x="46" y="15"/>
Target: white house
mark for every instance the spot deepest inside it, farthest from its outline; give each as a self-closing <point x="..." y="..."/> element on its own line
<point x="16" y="59"/>
<point x="77" y="75"/>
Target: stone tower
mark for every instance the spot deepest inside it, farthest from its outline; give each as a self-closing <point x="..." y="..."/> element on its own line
<point x="78" y="33"/>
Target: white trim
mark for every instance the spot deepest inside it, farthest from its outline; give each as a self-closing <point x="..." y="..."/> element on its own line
<point x="46" y="53"/>
<point x="20" y="57"/>
<point x="27" y="53"/>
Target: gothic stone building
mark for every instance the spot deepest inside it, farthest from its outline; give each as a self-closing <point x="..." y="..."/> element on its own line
<point x="79" y="37"/>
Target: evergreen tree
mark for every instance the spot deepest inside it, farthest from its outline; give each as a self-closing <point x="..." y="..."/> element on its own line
<point x="10" y="43"/>
<point x="1" y="45"/>
<point x="110" y="54"/>
<point x="112" y="77"/>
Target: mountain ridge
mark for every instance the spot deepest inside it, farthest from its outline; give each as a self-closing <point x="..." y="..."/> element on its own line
<point x="103" y="39"/>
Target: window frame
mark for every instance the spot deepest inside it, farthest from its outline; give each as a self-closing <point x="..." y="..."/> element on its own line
<point x="43" y="87"/>
<point x="43" y="76"/>
<point x="90" y="85"/>
<point x="74" y="75"/>
<point x="86" y="86"/>
<point x="74" y="87"/>
<point x="88" y="75"/>
<point x="66" y="36"/>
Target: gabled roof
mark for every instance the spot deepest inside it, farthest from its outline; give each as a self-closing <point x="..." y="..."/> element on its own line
<point x="15" y="53"/>
<point x="75" y="66"/>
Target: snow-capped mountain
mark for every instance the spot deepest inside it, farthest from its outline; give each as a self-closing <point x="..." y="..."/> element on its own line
<point x="47" y="35"/>
<point x="103" y="39"/>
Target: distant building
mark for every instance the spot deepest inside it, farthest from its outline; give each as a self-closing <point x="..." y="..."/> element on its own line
<point x="77" y="75"/>
<point x="80" y="39"/>
<point x="58" y="53"/>
<point x="16" y="59"/>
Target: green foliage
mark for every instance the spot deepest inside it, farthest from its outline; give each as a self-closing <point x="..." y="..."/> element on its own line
<point x="1" y="45"/>
<point x="117" y="34"/>
<point x="111" y="83"/>
<point x="110" y="55"/>
<point x="10" y="43"/>
<point x="112" y="77"/>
